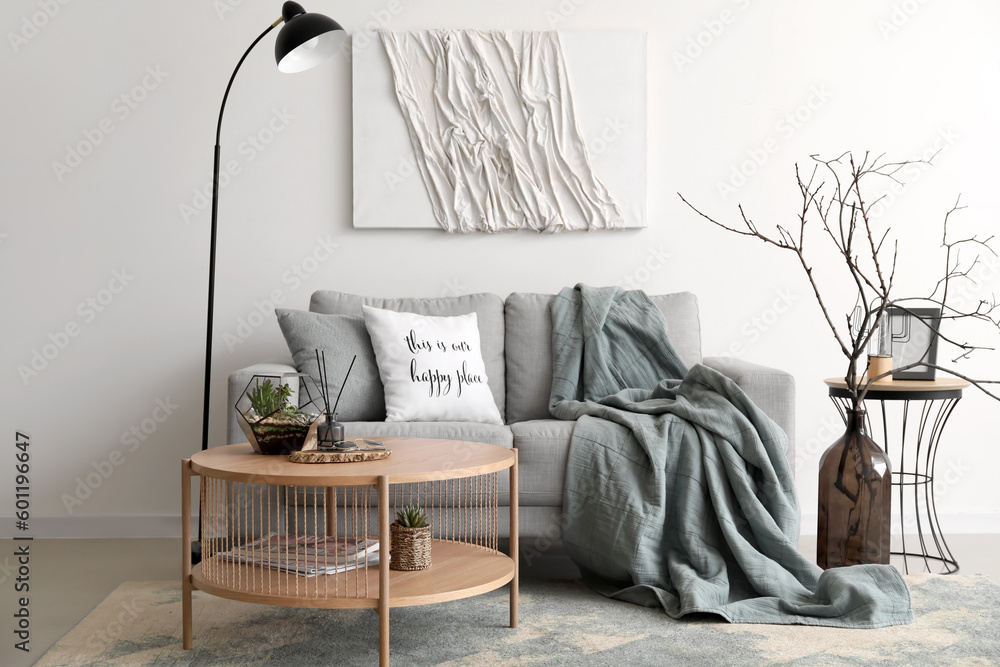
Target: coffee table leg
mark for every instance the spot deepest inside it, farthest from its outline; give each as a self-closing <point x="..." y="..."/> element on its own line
<point x="186" y="551"/>
<point x="514" y="547"/>
<point x="383" y="571"/>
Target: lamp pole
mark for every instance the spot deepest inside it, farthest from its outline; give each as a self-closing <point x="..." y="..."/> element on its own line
<point x="212" y="242"/>
<point x="305" y="40"/>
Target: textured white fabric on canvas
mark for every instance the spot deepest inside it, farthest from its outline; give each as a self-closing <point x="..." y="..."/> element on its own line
<point x="491" y="121"/>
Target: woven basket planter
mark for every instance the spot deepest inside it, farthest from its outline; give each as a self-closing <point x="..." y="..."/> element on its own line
<point x="411" y="547"/>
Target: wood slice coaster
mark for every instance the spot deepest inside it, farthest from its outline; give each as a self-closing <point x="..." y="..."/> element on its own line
<point x="316" y="456"/>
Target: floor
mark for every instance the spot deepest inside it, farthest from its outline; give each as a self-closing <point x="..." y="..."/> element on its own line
<point x="67" y="578"/>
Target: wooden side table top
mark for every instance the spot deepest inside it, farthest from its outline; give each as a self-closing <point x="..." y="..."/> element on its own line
<point x="939" y="384"/>
<point x="412" y="460"/>
<point x="887" y="389"/>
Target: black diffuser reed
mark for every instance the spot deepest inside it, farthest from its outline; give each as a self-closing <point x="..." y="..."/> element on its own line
<point x="330" y="433"/>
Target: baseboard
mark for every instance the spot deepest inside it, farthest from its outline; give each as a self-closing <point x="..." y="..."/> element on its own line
<point x="954" y="523"/>
<point x="103" y="526"/>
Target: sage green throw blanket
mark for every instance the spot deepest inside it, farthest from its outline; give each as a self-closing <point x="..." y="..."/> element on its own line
<point x="677" y="490"/>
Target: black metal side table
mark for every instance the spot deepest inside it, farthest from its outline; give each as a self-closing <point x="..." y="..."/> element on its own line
<point x="914" y="456"/>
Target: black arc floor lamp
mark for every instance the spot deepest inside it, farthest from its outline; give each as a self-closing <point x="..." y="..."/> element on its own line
<point x="306" y="40"/>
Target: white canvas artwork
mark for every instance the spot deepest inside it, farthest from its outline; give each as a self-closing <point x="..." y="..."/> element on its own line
<point x="607" y="75"/>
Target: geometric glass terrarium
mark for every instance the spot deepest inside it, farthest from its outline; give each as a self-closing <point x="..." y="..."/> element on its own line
<point x="279" y="412"/>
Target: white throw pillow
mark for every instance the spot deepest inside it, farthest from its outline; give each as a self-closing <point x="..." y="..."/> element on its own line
<point x="431" y="367"/>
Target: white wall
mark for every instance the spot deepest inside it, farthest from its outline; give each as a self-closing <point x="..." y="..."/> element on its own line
<point x="930" y="81"/>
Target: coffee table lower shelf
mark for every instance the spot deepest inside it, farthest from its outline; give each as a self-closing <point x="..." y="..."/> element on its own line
<point x="458" y="570"/>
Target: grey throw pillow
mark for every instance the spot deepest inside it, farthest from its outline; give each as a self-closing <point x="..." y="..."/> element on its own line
<point x="341" y="336"/>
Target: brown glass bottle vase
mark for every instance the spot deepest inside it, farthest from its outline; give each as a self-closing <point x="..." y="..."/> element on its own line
<point x="855" y="499"/>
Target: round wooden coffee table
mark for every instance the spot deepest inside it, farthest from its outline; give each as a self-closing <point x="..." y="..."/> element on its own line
<point x="262" y="517"/>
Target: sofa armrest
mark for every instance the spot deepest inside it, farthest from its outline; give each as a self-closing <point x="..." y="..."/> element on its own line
<point x="771" y="389"/>
<point x="238" y="381"/>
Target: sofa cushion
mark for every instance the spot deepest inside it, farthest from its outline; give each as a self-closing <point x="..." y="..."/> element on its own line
<point x="487" y="307"/>
<point x="542" y="448"/>
<point x="341" y="337"/>
<point x="431" y="367"/>
<point x="529" y="347"/>
<point x="490" y="434"/>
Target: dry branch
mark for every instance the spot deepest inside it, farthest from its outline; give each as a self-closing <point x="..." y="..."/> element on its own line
<point x="845" y="219"/>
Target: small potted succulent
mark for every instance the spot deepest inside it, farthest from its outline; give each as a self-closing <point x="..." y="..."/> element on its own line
<point x="411" y="540"/>
<point x="269" y="419"/>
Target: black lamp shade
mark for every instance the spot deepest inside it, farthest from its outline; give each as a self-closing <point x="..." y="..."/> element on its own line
<point x="306" y="39"/>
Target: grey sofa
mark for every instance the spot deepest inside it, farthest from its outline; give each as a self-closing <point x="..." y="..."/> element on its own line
<point x="516" y="346"/>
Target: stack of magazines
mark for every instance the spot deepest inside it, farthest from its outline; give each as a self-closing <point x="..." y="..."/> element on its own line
<point x="307" y="555"/>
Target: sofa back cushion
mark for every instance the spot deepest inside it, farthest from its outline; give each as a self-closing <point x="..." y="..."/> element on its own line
<point x="529" y="347"/>
<point x="339" y="337"/>
<point x="487" y="307"/>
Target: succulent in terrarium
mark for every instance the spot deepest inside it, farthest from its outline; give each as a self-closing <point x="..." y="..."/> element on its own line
<point x="266" y="399"/>
<point x="271" y="417"/>
<point x="412" y="517"/>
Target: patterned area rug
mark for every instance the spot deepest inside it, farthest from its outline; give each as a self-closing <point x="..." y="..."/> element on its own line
<point x="562" y="623"/>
